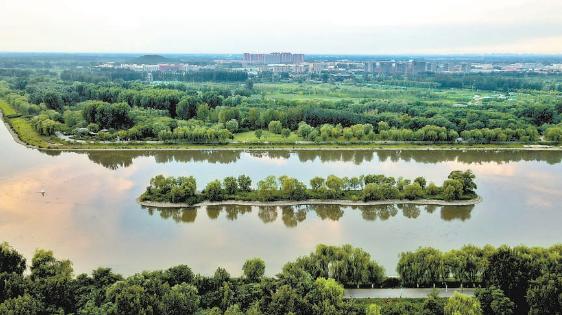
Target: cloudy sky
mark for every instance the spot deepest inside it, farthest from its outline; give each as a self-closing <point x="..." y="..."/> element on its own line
<point x="308" y="26"/>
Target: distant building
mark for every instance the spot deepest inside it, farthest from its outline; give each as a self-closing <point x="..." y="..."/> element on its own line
<point x="273" y="58"/>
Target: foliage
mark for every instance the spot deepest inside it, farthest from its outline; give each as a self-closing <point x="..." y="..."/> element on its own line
<point x="462" y="304"/>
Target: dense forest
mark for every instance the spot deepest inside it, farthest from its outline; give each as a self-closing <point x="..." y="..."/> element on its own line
<point x="459" y="186"/>
<point x="119" y="105"/>
<point x="510" y="280"/>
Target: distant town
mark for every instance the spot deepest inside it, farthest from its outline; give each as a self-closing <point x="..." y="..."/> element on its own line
<point x="295" y="64"/>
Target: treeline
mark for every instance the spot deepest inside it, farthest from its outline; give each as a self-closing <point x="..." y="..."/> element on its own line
<point x="519" y="277"/>
<point x="459" y="186"/>
<point x="99" y="75"/>
<point x="494" y="82"/>
<point x="514" y="281"/>
<point x="201" y="76"/>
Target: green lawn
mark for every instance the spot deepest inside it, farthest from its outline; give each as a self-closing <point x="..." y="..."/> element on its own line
<point x="250" y="136"/>
<point x="22" y="127"/>
<point x="6" y="109"/>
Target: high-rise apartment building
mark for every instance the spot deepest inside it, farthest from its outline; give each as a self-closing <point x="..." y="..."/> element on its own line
<point x="274" y="58"/>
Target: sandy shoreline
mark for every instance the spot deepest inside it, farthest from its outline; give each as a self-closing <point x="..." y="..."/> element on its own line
<point x="312" y="202"/>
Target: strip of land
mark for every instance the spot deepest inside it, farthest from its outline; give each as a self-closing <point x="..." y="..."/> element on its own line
<point x="155" y="204"/>
<point x="23" y="133"/>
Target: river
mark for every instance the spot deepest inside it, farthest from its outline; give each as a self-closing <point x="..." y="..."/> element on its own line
<point x="89" y="215"/>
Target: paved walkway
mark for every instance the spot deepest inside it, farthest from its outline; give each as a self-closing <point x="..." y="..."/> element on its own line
<point x="404" y="293"/>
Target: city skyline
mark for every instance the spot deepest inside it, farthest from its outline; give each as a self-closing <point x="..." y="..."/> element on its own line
<point x="402" y="27"/>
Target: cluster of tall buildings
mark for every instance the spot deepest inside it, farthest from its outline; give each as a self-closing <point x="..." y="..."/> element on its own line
<point x="273" y="58"/>
<point x="396" y="67"/>
<point x="413" y="67"/>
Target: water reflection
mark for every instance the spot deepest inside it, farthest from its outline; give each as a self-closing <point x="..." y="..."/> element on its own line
<point x="292" y="216"/>
<point x="89" y="213"/>
<point x="123" y="159"/>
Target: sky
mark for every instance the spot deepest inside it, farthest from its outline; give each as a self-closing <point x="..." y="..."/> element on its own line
<point x="311" y="26"/>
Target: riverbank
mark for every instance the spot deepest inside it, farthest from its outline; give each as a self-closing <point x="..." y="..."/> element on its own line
<point x="23" y="133"/>
<point x="282" y="203"/>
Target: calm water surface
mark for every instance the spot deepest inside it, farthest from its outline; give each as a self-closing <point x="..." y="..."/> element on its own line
<point x="90" y="216"/>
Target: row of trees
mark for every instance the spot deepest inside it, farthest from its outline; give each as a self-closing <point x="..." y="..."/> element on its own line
<point x="519" y="275"/>
<point x="459" y="185"/>
<point x="310" y="285"/>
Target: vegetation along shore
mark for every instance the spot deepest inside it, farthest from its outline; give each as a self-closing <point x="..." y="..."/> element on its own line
<point x="312" y="284"/>
<point x="458" y="189"/>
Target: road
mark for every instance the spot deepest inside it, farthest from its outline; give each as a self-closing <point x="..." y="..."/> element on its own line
<point x="404" y="293"/>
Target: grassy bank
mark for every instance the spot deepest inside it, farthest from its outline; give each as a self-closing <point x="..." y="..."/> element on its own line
<point x="21" y="126"/>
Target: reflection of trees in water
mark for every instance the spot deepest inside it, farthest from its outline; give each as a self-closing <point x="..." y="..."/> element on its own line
<point x="431" y="208"/>
<point x="273" y="154"/>
<point x="332" y="212"/>
<point x="119" y="159"/>
<point x="449" y="213"/>
<point x="293" y="215"/>
<point x="51" y="152"/>
<point x="469" y="156"/>
<point x="232" y="212"/>
<point x="185" y="215"/>
<point x="383" y="212"/>
<point x="410" y="211"/>
<point x="213" y="211"/>
<point x="267" y="214"/>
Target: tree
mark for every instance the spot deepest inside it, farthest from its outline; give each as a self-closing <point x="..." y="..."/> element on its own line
<point x="494" y="301"/>
<point x="335" y="185"/>
<point x="22" y="305"/>
<point x="292" y="189"/>
<point x="372" y="192"/>
<point x="467" y="180"/>
<point x="232" y="125"/>
<point x="181" y="299"/>
<point x="214" y="191"/>
<point x="452" y="189"/>
<point x="53" y="100"/>
<point x="462" y="304"/>
<point x="432" y="189"/>
<point x="317" y="183"/>
<point x="254" y="269"/>
<point x="421" y="181"/>
<point x="187" y="107"/>
<point x="10" y="260"/>
<point x="230" y="185"/>
<point x="179" y="274"/>
<point x="423" y="267"/>
<point x="285" y="300"/>
<point x="373" y="309"/>
<point x="275" y="126"/>
<point x="326" y="297"/>
<point x="511" y="272"/>
<point x="286" y="132"/>
<point x="127" y="298"/>
<point x="234" y="310"/>
<point x="432" y="305"/>
<point x="244" y="183"/>
<point x="267" y="188"/>
<point x="545" y="294"/>
<point x="258" y="133"/>
<point x="413" y="191"/>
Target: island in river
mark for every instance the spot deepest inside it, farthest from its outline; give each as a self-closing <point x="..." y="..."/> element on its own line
<point x="372" y="189"/>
